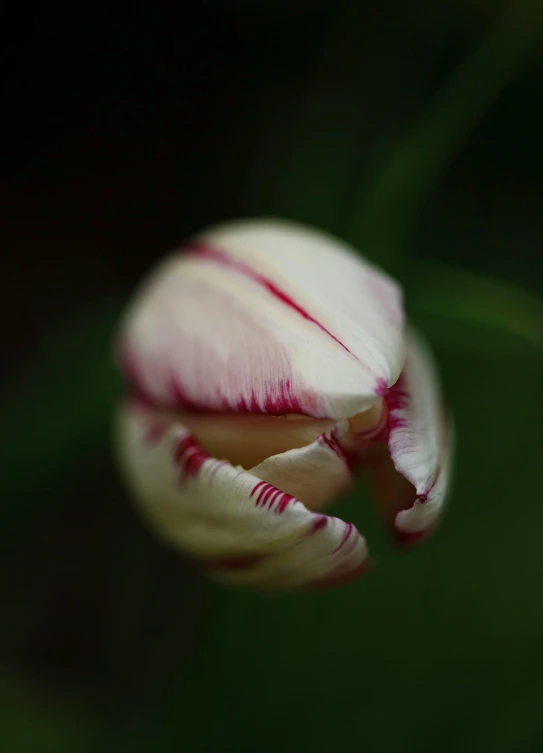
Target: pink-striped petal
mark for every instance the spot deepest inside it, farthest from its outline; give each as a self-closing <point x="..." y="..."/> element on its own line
<point x="330" y="553"/>
<point x="315" y="474"/>
<point x="245" y="528"/>
<point x="266" y="317"/>
<point x="420" y="441"/>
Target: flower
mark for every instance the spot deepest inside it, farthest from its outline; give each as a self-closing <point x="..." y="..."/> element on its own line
<point x="266" y="361"/>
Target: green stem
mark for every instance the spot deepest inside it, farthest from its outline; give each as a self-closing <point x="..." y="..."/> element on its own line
<point x="388" y="208"/>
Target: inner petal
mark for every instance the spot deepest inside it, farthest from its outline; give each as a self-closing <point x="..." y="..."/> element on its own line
<point x="247" y="439"/>
<point x="391" y="491"/>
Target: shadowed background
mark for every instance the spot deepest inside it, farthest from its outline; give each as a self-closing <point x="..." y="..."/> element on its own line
<point x="412" y="130"/>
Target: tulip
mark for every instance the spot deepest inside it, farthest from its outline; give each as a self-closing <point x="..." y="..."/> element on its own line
<point x="266" y="361"/>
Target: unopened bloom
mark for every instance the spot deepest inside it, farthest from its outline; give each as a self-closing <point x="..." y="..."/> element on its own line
<point x="267" y="361"/>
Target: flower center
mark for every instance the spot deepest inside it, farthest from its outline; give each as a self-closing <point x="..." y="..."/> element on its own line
<point x="247" y="439"/>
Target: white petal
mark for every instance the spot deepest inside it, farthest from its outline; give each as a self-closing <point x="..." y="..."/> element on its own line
<point x="315" y="474"/>
<point x="227" y="516"/>
<point x="420" y="441"/>
<point x="267" y="317"/>
<point x="332" y="552"/>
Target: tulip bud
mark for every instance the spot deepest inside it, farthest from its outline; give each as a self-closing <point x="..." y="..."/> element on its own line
<point x="266" y="361"/>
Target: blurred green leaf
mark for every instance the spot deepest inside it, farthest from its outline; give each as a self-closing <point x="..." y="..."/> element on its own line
<point x="35" y="721"/>
<point x="385" y="212"/>
<point x="466" y="311"/>
<point x="57" y="412"/>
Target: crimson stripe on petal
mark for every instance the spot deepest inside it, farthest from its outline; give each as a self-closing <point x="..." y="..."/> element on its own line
<point x="264" y="494"/>
<point x="284" y="502"/>
<point x="333" y="444"/>
<point x="397" y="401"/>
<point x="320" y="521"/>
<point x="256" y="487"/>
<point x="346" y="534"/>
<point x="189" y="456"/>
<point x="204" y="251"/>
<point x="271" y="497"/>
<point x="278" y="400"/>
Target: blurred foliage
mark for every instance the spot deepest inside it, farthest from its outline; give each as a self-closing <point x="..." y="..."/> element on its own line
<point x="440" y="648"/>
<point x="29" y="720"/>
<point x="468" y="312"/>
<point x="62" y="417"/>
<point x="384" y="216"/>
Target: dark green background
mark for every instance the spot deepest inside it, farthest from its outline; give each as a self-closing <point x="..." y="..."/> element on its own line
<point x="412" y="130"/>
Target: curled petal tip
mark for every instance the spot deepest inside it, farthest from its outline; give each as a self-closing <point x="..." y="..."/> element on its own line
<point x="407" y="539"/>
<point x="342" y="579"/>
<point x="420" y="443"/>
